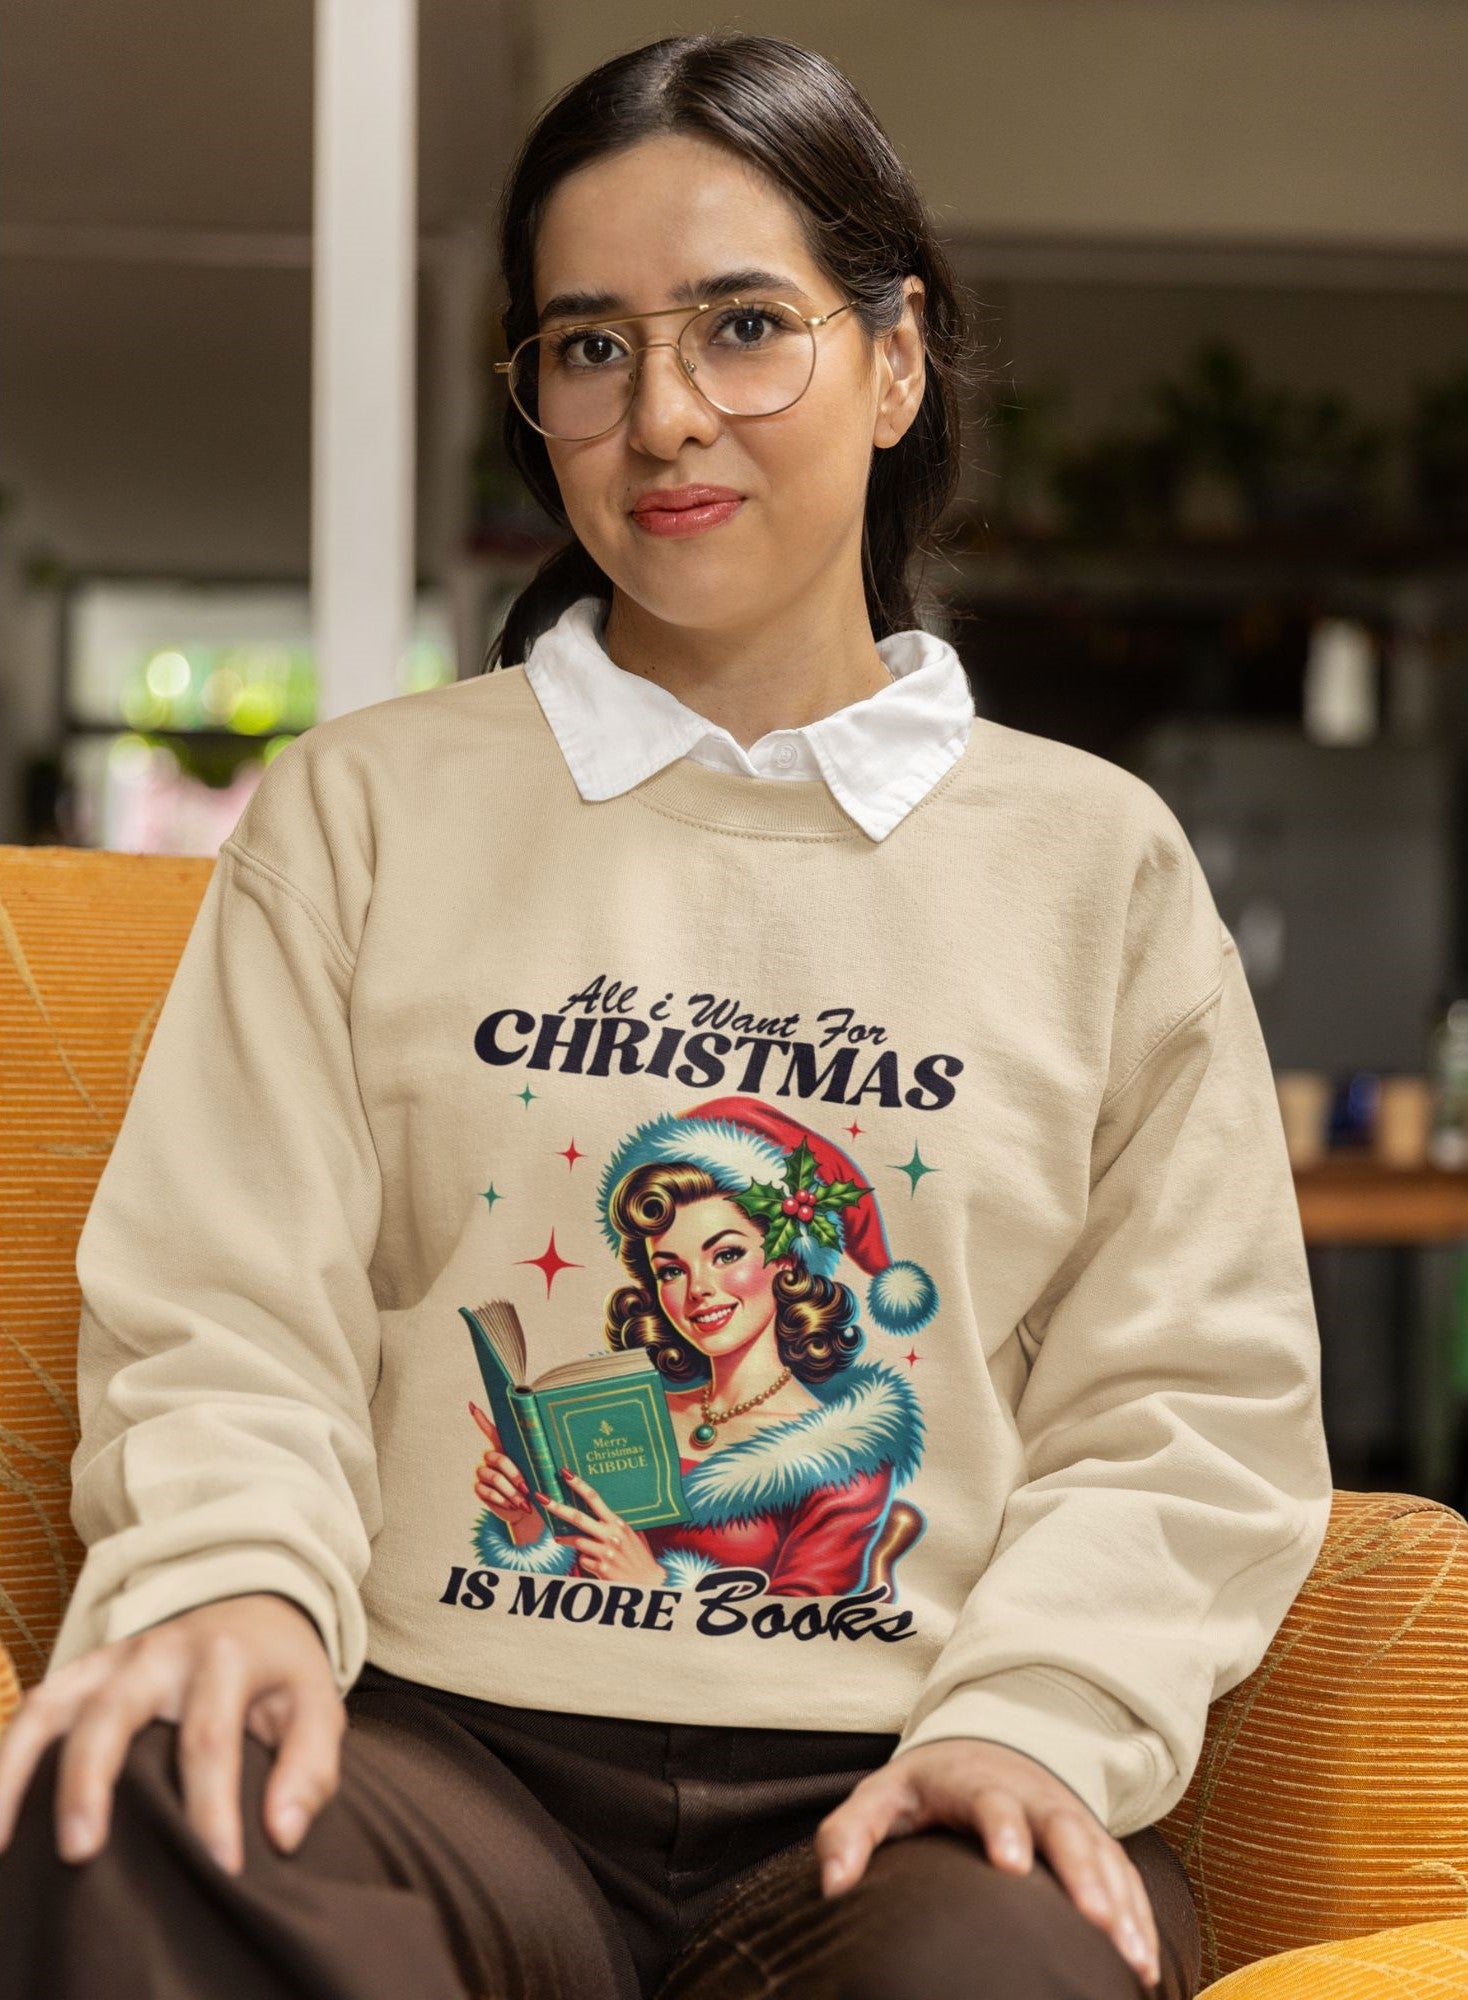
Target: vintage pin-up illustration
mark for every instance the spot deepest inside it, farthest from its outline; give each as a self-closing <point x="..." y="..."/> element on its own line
<point x="791" y="1441"/>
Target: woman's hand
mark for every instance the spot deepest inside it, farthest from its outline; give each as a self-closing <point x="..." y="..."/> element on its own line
<point x="1011" y="1802"/>
<point x="607" y="1547"/>
<point x="254" y="1662"/>
<point x="500" y="1484"/>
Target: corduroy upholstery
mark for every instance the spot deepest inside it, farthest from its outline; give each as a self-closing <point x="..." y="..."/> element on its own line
<point x="1331" y="1798"/>
<point x="1415" y="1962"/>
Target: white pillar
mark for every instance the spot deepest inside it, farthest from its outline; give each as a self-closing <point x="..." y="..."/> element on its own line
<point x="362" y="364"/>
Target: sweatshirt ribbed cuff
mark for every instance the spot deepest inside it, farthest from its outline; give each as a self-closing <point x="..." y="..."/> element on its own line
<point x="1062" y="1723"/>
<point x="172" y="1588"/>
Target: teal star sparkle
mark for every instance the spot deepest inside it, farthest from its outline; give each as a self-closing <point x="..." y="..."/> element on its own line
<point x="915" y="1169"/>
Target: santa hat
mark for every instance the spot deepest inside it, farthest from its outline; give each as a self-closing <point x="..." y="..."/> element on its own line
<point x="762" y="1158"/>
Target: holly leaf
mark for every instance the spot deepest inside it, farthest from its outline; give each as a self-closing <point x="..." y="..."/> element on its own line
<point x="824" y="1231"/>
<point x="779" y="1239"/>
<point x="843" y="1193"/>
<point x="803" y="1165"/>
<point x="760" y="1201"/>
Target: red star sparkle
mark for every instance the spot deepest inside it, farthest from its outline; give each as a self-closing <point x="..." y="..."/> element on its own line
<point x="911" y="1356"/>
<point x="551" y="1262"/>
<point x="853" y="1128"/>
<point x="570" y="1155"/>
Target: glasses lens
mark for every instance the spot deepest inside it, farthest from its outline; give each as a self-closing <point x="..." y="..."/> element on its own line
<point x="750" y="359"/>
<point x="574" y="382"/>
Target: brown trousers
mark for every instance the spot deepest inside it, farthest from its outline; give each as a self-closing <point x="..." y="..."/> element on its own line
<point x="480" y="1852"/>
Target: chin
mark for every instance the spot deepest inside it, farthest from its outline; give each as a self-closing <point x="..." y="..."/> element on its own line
<point x="697" y="596"/>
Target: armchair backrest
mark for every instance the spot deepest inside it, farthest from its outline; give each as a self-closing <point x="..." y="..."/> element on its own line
<point x="88" y="944"/>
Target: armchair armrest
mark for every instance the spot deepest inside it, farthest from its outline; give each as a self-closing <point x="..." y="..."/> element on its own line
<point x="9" y="1686"/>
<point x="1331" y="1796"/>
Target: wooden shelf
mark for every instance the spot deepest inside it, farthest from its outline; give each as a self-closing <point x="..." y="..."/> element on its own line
<point x="1360" y="1200"/>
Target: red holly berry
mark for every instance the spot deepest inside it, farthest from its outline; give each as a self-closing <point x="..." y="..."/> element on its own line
<point x="789" y="1206"/>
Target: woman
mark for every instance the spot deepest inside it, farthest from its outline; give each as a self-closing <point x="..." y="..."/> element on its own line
<point x="795" y="1480"/>
<point x="719" y="823"/>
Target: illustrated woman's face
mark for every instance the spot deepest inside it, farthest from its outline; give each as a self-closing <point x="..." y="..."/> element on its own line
<point x="632" y="229"/>
<point x="711" y="1276"/>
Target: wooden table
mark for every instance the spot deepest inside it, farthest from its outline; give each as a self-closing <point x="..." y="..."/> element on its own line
<point x="1350" y="1200"/>
<point x="1359" y="1200"/>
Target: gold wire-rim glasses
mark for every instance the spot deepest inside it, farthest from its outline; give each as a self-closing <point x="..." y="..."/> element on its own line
<point x="810" y="321"/>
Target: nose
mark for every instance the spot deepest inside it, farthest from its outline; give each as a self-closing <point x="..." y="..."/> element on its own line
<point x="667" y="409"/>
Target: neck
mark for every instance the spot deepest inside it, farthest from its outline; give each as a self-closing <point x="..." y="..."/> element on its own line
<point x="779" y="670"/>
<point x="736" y="1376"/>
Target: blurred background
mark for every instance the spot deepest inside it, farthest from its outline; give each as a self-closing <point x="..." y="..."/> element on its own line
<point x="1214" y="527"/>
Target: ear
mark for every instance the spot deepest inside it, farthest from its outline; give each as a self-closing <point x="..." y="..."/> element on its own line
<point x="902" y="369"/>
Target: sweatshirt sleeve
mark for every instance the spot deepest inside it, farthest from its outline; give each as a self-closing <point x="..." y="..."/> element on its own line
<point x="228" y="1341"/>
<point x="1177" y="1486"/>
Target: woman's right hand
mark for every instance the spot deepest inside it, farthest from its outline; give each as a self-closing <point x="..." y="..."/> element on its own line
<point x="500" y="1485"/>
<point x="253" y="1662"/>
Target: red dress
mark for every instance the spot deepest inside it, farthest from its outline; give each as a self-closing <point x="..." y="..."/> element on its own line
<point x="815" y="1546"/>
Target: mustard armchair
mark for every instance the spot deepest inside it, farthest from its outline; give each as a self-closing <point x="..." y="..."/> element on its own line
<point x="1325" y="1830"/>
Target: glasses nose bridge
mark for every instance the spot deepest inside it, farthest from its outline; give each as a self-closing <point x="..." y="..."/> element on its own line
<point x="686" y="372"/>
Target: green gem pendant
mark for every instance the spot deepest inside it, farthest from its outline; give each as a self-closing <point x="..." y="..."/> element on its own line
<point x="704" y="1434"/>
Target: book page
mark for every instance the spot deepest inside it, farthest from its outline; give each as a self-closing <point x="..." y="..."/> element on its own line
<point x="500" y="1324"/>
<point x="595" y="1368"/>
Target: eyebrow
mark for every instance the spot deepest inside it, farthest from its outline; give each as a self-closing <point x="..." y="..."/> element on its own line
<point x="707" y="1244"/>
<point x="586" y="305"/>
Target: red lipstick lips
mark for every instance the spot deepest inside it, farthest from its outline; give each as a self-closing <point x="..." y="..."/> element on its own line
<point x="685" y="510"/>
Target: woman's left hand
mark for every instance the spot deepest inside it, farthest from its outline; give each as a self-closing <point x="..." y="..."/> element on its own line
<point x="1014" y="1805"/>
<point x="608" y="1549"/>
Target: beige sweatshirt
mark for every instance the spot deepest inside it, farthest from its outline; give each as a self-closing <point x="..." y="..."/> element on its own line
<point x="971" y="1130"/>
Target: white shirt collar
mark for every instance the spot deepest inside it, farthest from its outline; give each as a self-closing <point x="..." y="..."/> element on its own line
<point x="879" y="756"/>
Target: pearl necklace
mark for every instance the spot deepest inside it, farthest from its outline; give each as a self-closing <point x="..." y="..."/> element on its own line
<point x="705" y="1433"/>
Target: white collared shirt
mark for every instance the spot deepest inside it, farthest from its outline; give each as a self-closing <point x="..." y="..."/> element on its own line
<point x="879" y="756"/>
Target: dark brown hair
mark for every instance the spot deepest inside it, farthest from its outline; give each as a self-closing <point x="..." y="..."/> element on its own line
<point x="814" y="1330"/>
<point x="793" y="114"/>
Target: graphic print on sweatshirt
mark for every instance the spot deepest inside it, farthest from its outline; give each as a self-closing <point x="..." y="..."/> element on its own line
<point x="727" y="1224"/>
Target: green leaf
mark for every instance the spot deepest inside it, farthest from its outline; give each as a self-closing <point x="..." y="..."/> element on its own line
<point x="824" y="1231"/>
<point x="843" y="1193"/>
<point x="803" y="1164"/>
<point x="781" y="1236"/>
<point x="760" y="1200"/>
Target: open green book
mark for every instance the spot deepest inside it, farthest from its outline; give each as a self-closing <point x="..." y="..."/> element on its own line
<point x="604" y="1416"/>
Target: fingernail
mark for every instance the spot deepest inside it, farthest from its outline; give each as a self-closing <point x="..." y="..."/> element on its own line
<point x="566" y="1472"/>
<point x="76" y="1837"/>
<point x="291" y="1821"/>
